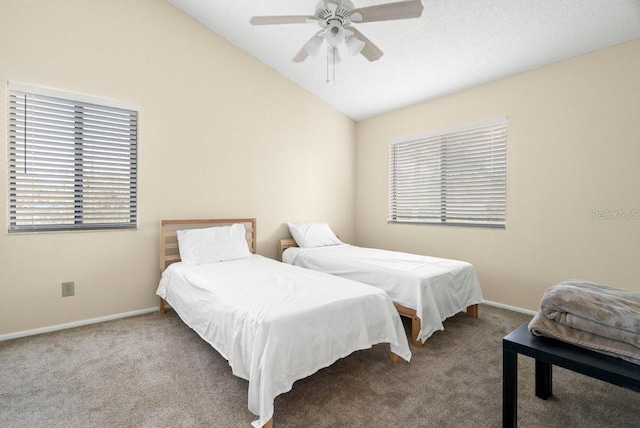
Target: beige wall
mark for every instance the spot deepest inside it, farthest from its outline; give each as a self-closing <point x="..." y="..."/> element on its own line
<point x="221" y="135"/>
<point x="573" y="151"/>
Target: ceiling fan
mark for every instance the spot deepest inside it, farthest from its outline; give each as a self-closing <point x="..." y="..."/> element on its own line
<point x="335" y="19"/>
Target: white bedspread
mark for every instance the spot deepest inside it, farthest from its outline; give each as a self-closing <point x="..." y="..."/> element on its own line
<point x="277" y="323"/>
<point x="436" y="288"/>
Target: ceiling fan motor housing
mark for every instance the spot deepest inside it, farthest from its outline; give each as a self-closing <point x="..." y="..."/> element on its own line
<point x="329" y="11"/>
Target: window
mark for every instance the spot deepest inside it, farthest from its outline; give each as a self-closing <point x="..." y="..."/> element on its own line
<point x="453" y="177"/>
<point x="72" y="161"/>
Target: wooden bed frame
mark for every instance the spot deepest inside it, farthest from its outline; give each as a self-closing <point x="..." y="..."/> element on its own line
<point x="170" y="252"/>
<point x="416" y="325"/>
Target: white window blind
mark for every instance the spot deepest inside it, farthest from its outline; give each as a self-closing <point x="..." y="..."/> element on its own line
<point x="72" y="162"/>
<point x="453" y="177"/>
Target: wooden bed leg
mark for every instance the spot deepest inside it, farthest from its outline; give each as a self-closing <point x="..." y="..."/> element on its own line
<point x="269" y="424"/>
<point x="161" y="308"/>
<point x="416" y="325"/>
<point x="395" y="358"/>
<point x="415" y="331"/>
<point x="472" y="311"/>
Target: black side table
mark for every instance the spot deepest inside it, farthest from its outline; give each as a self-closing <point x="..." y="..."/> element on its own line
<point x="548" y="352"/>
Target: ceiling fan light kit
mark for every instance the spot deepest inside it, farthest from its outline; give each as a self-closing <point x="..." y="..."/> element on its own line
<point x="334" y="33"/>
<point x="354" y="44"/>
<point x="336" y="18"/>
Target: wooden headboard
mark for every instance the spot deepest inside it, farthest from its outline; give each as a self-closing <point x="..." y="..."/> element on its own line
<point x="169" y="251"/>
<point x="284" y="244"/>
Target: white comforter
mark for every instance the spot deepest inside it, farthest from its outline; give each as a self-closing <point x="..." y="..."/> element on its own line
<point x="277" y="323"/>
<point x="436" y="288"/>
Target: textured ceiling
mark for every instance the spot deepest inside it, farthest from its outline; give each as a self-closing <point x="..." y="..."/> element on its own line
<point x="456" y="44"/>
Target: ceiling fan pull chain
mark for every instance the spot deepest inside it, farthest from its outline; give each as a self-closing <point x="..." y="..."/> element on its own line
<point x="331" y="63"/>
<point x="333" y="57"/>
<point x="328" y="48"/>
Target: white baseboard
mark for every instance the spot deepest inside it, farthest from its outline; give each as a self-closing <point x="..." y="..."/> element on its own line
<point x="33" y="332"/>
<point x="511" y="308"/>
<point x="75" y="324"/>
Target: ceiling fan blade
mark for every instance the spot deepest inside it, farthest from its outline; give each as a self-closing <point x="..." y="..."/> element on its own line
<point x="370" y="51"/>
<point x="275" y="20"/>
<point x="389" y="11"/>
<point x="332" y="6"/>
<point x="300" y="56"/>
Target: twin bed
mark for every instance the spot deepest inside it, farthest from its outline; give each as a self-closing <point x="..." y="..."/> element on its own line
<point x="274" y="323"/>
<point x="425" y="289"/>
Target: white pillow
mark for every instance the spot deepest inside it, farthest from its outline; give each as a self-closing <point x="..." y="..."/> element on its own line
<point x="310" y="235"/>
<point x="213" y="244"/>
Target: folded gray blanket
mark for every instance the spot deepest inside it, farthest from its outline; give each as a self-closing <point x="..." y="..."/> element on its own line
<point x="594" y="316"/>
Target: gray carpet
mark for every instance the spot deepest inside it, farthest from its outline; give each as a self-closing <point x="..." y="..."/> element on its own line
<point x="152" y="370"/>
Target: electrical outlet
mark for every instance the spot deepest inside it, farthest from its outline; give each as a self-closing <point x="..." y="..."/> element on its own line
<point x="68" y="288"/>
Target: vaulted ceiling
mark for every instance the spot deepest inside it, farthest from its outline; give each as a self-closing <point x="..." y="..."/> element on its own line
<point x="453" y="45"/>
